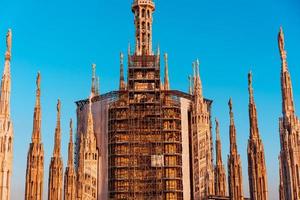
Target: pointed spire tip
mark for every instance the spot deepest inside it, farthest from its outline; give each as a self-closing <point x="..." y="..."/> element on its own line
<point x="230" y="104"/>
<point x="38" y="80"/>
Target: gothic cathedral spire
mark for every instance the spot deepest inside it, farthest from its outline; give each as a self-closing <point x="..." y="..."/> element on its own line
<point x="88" y="160"/>
<point x="70" y="174"/>
<point x="235" y="181"/>
<point x="286" y="84"/>
<point x="6" y="133"/>
<point x="289" y="127"/>
<point x="55" y="185"/>
<point x="220" y="175"/>
<point x="256" y="156"/>
<point x="201" y="131"/>
<point x="143" y="10"/>
<point x="6" y="79"/>
<point x="35" y="157"/>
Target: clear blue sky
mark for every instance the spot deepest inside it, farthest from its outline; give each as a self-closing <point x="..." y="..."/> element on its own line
<point x="62" y="38"/>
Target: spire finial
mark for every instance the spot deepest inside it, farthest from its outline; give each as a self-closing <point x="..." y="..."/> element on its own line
<point x="252" y="110"/>
<point x="6" y="79"/>
<point x="230" y="111"/>
<point x="58" y="105"/>
<point x="167" y="83"/>
<point x="158" y="50"/>
<point x="281" y="43"/>
<point x="121" y="58"/>
<point x="230" y="104"/>
<point x="288" y="107"/>
<point x="70" y="149"/>
<point x="217" y="130"/>
<point x="8" y="44"/>
<point x="166" y="58"/>
<point x="36" y="133"/>
<point x="94" y="79"/>
<point x="197" y="67"/>
<point x="232" y="131"/>
<point x="38" y="88"/>
<point x="71" y="130"/>
<point x="57" y="131"/>
<point x="122" y="81"/>
<point x="250" y="88"/>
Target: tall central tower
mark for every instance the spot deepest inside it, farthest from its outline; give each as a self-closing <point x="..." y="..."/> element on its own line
<point x="143" y="10"/>
<point x="144" y="124"/>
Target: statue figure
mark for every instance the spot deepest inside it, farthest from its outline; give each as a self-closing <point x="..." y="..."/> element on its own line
<point x="230" y="106"/>
<point x="166" y="57"/>
<point x="38" y="80"/>
<point x="58" y="107"/>
<point x="8" y="40"/>
<point x="281" y="43"/>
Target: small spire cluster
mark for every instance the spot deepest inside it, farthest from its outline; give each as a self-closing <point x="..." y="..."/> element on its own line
<point x="69" y="186"/>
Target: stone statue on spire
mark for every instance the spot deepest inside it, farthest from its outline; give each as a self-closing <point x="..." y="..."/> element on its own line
<point x="8" y="45"/>
<point x="8" y="40"/>
<point x="250" y="88"/>
<point x="281" y="43"/>
<point x="93" y="90"/>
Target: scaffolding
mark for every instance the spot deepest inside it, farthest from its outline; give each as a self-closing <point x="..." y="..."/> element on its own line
<point x="144" y="142"/>
<point x="144" y="137"/>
